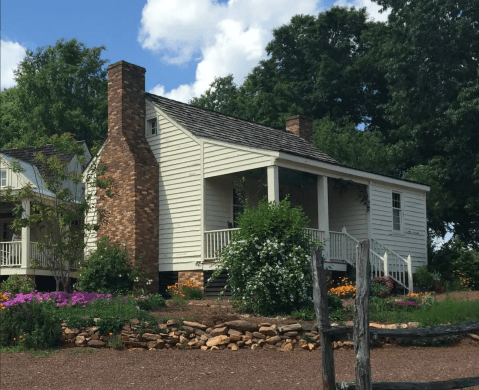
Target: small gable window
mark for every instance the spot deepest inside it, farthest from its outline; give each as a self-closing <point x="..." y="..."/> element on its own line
<point x="152" y="127"/>
<point x="3" y="178"/>
<point x="397" y="212"/>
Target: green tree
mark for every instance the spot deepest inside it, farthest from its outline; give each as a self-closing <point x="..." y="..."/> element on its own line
<point x="429" y="54"/>
<point x="59" y="89"/>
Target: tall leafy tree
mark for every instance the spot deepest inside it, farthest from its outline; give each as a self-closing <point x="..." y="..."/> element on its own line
<point x="429" y="54"/>
<point x="60" y="88"/>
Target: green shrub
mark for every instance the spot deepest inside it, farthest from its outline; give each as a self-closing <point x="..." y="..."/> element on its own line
<point x="307" y="313"/>
<point x="108" y="270"/>
<point x="31" y="325"/>
<point x="151" y="302"/>
<point x="455" y="260"/>
<point x="194" y="293"/>
<point x="110" y="324"/>
<point x="268" y="260"/>
<point x="15" y="284"/>
<point x="423" y="278"/>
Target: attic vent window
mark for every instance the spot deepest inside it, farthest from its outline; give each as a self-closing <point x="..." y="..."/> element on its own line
<point x="152" y="128"/>
<point x="3" y="178"/>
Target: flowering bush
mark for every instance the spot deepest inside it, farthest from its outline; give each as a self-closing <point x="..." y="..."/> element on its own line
<point x="61" y="298"/>
<point x="381" y="286"/>
<point x="344" y="289"/>
<point x="109" y="270"/>
<point x="187" y="290"/>
<point x="412" y="301"/>
<point x="268" y="260"/>
<point x="3" y="298"/>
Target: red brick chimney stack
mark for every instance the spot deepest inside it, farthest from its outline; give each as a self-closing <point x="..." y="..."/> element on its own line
<point x="300" y="125"/>
<point x="131" y="205"/>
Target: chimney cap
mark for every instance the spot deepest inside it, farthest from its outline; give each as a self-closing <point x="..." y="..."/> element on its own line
<point x="123" y="63"/>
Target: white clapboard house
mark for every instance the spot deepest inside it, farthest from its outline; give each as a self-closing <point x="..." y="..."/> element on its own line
<point x="199" y="154"/>
<point x="20" y="168"/>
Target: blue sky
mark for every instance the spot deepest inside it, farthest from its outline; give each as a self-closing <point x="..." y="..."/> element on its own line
<point x="183" y="44"/>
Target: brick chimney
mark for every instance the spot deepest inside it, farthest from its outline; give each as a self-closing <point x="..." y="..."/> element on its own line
<point x="130" y="206"/>
<point x="300" y="125"/>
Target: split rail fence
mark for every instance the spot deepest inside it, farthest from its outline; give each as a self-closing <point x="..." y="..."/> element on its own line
<point x="362" y="334"/>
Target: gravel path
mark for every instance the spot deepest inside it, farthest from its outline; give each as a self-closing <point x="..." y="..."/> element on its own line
<point x="243" y="369"/>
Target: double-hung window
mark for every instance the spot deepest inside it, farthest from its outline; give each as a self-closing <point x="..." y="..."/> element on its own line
<point x="3" y="178"/>
<point x="151" y="127"/>
<point x="397" y="213"/>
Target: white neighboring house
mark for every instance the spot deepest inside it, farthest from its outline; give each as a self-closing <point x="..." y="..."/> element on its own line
<point x="201" y="153"/>
<point x="18" y="250"/>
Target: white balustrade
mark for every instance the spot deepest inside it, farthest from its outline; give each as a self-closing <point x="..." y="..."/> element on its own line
<point x="216" y="241"/>
<point x="10" y="253"/>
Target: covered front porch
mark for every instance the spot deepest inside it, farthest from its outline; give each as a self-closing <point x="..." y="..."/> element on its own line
<point x="337" y="210"/>
<point x="19" y="250"/>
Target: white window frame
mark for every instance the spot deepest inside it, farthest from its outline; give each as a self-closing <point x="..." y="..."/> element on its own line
<point x="151" y="127"/>
<point x="3" y="178"/>
<point x="399" y="212"/>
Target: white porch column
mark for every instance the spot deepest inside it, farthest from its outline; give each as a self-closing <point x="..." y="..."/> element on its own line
<point x="273" y="184"/>
<point x="25" y="235"/>
<point x="323" y="211"/>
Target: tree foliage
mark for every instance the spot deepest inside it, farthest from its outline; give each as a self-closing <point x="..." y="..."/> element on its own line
<point x="398" y="98"/>
<point x="60" y="88"/>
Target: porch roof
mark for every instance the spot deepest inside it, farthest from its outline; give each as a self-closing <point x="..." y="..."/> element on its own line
<point x="220" y="127"/>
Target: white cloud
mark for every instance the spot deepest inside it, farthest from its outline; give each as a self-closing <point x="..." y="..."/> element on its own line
<point x="372" y="8"/>
<point x="12" y="54"/>
<point x="228" y="38"/>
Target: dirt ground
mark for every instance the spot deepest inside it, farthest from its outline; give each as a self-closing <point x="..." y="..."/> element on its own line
<point x="244" y="369"/>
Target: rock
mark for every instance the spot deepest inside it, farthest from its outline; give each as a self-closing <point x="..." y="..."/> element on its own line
<point x="390" y="326"/>
<point x="163" y="326"/>
<point x="248" y="342"/>
<point x="183" y="340"/>
<point x="204" y="348"/>
<point x="273" y="340"/>
<point x="349" y="344"/>
<point x="218" y="340"/>
<point x="287" y="347"/>
<point x="136" y="344"/>
<point x="199" y="332"/>
<point x="214" y="348"/>
<point x="234" y="338"/>
<point x="290" y="334"/>
<point x="255" y="347"/>
<point x="95" y="336"/>
<point x="311" y="346"/>
<point x="247" y="336"/>
<point x="474" y="336"/>
<point x="265" y="324"/>
<point x="259" y="335"/>
<point x="149" y="336"/>
<point x="172" y="323"/>
<point x="240" y="344"/>
<point x="125" y="338"/>
<point x="195" y="325"/>
<point x="290" y="328"/>
<point x="135" y="321"/>
<point x="233" y="346"/>
<point x="412" y="324"/>
<point x="193" y="343"/>
<point x="135" y="349"/>
<point x="219" y="331"/>
<point x="242" y="326"/>
<point x="68" y="336"/>
<point x="234" y="332"/>
<point x="71" y="331"/>
<point x="188" y="329"/>
<point x="96" y="343"/>
<point x="201" y="343"/>
<point x="79" y="340"/>
<point x="375" y="325"/>
<point x="126" y="327"/>
<point x="102" y="338"/>
<point x="267" y="331"/>
<point x="160" y="344"/>
<point x="151" y="344"/>
<point x="204" y="337"/>
<point x="309" y="327"/>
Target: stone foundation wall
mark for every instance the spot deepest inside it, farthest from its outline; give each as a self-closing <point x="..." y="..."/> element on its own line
<point x="197" y="277"/>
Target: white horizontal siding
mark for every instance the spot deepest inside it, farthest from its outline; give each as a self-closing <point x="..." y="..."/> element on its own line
<point x="413" y="240"/>
<point x="219" y="202"/>
<point x="224" y="159"/>
<point x="179" y="157"/>
<point x="347" y="210"/>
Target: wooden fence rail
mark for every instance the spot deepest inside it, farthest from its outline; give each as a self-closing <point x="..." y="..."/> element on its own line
<point x="362" y="333"/>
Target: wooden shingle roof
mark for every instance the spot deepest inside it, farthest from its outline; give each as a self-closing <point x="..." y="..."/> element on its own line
<point x="220" y="127"/>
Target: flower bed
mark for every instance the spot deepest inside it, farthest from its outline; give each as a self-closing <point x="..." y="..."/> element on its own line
<point x="61" y="299"/>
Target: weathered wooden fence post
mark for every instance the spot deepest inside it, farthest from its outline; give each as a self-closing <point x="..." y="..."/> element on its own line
<point x="361" y="319"/>
<point x="320" y="298"/>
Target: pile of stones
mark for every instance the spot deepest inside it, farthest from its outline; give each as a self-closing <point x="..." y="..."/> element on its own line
<point x="231" y="335"/>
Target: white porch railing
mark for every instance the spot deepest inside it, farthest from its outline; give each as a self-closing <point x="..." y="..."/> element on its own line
<point x="342" y="246"/>
<point x="10" y="253"/>
<point x="216" y="241"/>
<point x="38" y="256"/>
